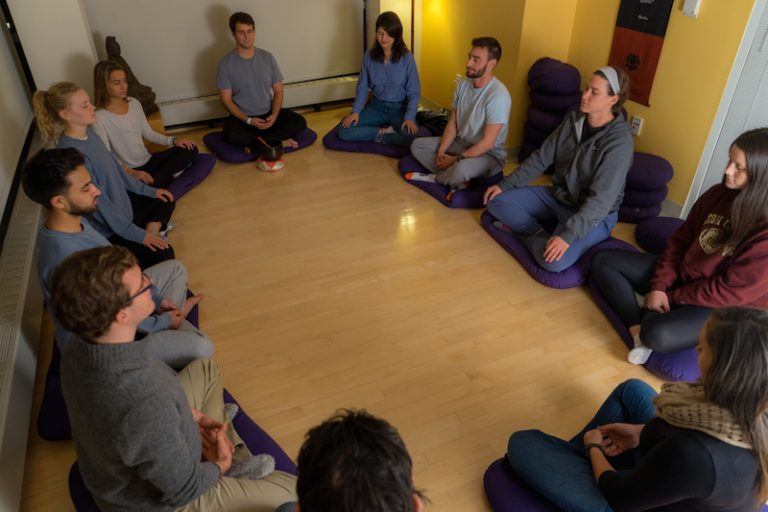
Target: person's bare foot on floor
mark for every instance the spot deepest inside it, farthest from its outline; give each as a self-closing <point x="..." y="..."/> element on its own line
<point x="290" y="143"/>
<point x="247" y="150"/>
<point x="190" y="303"/>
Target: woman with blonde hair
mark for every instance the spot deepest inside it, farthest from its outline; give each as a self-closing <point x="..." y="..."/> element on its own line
<point x="696" y="446"/>
<point x="130" y="213"/>
<point x="122" y="125"/>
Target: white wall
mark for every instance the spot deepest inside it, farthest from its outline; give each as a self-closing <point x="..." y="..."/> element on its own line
<point x="57" y="41"/>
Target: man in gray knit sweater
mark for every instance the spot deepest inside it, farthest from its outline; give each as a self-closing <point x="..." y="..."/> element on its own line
<point x="146" y="438"/>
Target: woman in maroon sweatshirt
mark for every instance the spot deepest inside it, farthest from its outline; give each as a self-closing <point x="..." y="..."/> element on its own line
<point x="717" y="257"/>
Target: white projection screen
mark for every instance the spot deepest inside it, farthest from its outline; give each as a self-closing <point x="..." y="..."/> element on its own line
<point x="174" y="46"/>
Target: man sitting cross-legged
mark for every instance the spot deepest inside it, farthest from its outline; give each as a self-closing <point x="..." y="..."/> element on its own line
<point x="58" y="180"/>
<point x="146" y="438"/>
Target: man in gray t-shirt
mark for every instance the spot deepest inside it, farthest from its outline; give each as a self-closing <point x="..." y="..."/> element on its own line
<point x="251" y="89"/>
<point x="473" y="142"/>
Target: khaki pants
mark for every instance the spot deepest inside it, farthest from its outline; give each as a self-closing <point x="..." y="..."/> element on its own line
<point x="201" y="382"/>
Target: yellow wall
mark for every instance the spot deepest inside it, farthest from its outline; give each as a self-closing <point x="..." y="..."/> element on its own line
<point x="447" y="29"/>
<point x="693" y="69"/>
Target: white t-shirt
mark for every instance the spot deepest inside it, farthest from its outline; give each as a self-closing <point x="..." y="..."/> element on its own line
<point x="477" y="107"/>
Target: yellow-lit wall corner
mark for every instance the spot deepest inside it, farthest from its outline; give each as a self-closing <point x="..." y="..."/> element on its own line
<point x="695" y="63"/>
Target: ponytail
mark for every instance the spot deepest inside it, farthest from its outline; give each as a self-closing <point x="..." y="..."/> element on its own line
<point x="47" y="105"/>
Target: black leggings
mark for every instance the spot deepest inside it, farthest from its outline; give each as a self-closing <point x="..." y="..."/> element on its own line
<point x="162" y="166"/>
<point x="150" y="209"/>
<point x="287" y="126"/>
<point x="146" y="256"/>
<point x="621" y="274"/>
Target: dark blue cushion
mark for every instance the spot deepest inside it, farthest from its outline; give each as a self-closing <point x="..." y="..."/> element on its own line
<point x="575" y="275"/>
<point x="197" y="171"/>
<point x="553" y="76"/>
<point x="506" y="492"/>
<point x="652" y="234"/>
<point x="648" y="172"/>
<point x="635" y="214"/>
<point x="332" y="141"/>
<point x="470" y="197"/>
<point x="636" y="197"/>
<point x="236" y="155"/>
<point x="555" y="102"/>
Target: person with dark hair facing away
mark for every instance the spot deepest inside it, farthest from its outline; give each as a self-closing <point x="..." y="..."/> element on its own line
<point x="146" y="438"/>
<point x="696" y="446"/>
<point x="473" y="143"/>
<point x="592" y="151"/>
<point x="355" y="462"/>
<point x="131" y="213"/>
<point x="251" y="89"/>
<point x="58" y="180"/>
<point x="122" y="125"/>
<point x="389" y="72"/>
<point x="717" y="257"/>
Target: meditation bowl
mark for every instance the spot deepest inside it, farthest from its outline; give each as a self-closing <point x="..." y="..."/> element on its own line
<point x="272" y="151"/>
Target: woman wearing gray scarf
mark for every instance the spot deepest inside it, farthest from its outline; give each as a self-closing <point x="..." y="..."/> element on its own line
<point x="693" y="447"/>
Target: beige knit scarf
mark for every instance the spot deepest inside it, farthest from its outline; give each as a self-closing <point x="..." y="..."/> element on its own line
<point x="682" y="404"/>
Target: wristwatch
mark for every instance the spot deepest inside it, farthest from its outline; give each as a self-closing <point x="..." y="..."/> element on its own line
<point x="588" y="447"/>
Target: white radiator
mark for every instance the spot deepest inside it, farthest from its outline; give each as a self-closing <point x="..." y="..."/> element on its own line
<point x="297" y="94"/>
<point x="21" y="309"/>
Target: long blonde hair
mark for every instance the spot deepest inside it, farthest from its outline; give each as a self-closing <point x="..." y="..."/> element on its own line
<point x="47" y="105"/>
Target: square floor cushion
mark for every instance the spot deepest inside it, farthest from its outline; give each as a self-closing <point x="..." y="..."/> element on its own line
<point x="332" y="141"/>
<point x="470" y="197"/>
<point x="506" y="492"/>
<point x="576" y="275"/>
<point x="674" y="366"/>
<point x="197" y="171"/>
<point x="255" y="438"/>
<point x="235" y="154"/>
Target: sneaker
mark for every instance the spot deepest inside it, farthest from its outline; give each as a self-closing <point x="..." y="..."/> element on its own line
<point x="168" y="227"/>
<point x="501" y="226"/>
<point x="639" y="354"/>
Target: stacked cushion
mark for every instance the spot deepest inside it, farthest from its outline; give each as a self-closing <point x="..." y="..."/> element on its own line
<point x="331" y="140"/>
<point x="646" y="187"/>
<point x="555" y="89"/>
<point x="236" y="155"/>
<point x="470" y="197"/>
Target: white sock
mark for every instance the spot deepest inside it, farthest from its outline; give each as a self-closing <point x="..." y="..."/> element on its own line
<point x="639" y="354"/>
<point x="421" y="176"/>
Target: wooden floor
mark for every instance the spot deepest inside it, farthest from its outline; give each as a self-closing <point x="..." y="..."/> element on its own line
<point x="335" y="284"/>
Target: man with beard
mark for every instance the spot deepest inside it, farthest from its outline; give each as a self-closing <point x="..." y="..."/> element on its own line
<point x="472" y="144"/>
<point x="251" y="89"/>
<point x="58" y="180"/>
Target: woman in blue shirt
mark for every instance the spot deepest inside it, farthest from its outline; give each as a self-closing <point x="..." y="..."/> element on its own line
<point x="389" y="71"/>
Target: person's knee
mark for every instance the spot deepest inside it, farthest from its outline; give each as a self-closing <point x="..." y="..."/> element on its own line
<point x="632" y="386"/>
<point x="659" y="335"/>
<point x="520" y="443"/>
<point x="345" y="133"/>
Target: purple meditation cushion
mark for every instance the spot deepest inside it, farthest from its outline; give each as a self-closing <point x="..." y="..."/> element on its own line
<point x="506" y="492"/>
<point x="674" y="366"/>
<point x="332" y="141"/>
<point x="555" y="102"/>
<point x="197" y="171"/>
<point x="254" y="437"/>
<point x="648" y="172"/>
<point x="575" y="275"/>
<point x="636" y="197"/>
<point x="635" y="214"/>
<point x="235" y="154"/>
<point x="551" y="76"/>
<point x="542" y="120"/>
<point x="652" y="234"/>
<point x="470" y="197"/>
<point x="533" y="134"/>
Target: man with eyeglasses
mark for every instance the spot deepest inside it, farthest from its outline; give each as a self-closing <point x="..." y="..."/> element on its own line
<point x="58" y="180"/>
<point x="146" y="438"/>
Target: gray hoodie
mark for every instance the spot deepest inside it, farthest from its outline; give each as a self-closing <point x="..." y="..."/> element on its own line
<point x="589" y="176"/>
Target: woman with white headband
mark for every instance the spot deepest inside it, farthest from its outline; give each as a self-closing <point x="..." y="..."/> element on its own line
<point x="591" y="152"/>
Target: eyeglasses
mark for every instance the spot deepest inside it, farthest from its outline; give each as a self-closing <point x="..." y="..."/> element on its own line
<point x="144" y="279"/>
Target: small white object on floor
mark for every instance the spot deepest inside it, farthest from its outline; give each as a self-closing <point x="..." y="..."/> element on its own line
<point x="270" y="165"/>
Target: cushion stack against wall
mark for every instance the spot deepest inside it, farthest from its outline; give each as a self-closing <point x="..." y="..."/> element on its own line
<point x="555" y="89"/>
<point x="646" y="187"/>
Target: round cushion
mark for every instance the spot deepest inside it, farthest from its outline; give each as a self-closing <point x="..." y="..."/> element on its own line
<point x="506" y="492"/>
<point x="635" y="197"/>
<point x="652" y="234"/>
<point x="543" y="120"/>
<point x="236" y="155"/>
<point x="552" y="76"/>
<point x="533" y="134"/>
<point x="555" y="102"/>
<point x="634" y="214"/>
<point x="648" y="172"/>
<point x="331" y="140"/>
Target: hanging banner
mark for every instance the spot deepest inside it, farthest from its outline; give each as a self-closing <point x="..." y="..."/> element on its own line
<point x="637" y="40"/>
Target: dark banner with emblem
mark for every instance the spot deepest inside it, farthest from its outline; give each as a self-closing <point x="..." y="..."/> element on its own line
<point x="637" y="41"/>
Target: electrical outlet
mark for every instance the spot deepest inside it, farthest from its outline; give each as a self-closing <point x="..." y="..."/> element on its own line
<point x="637" y="125"/>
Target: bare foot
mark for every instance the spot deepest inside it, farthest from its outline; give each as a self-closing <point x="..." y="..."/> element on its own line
<point x="290" y="143"/>
<point x="190" y="303"/>
<point x="634" y="330"/>
<point x="247" y="150"/>
<point x="384" y="131"/>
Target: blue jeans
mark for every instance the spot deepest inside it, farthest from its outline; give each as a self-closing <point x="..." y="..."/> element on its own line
<point x="378" y="114"/>
<point x="534" y="215"/>
<point x="561" y="470"/>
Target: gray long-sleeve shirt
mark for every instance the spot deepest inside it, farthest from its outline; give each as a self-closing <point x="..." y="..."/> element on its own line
<point x="589" y="175"/>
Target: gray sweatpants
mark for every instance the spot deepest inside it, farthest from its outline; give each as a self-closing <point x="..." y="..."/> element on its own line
<point x="176" y="347"/>
<point x="424" y="149"/>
